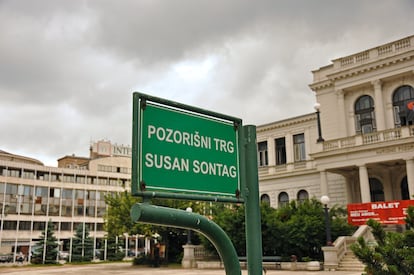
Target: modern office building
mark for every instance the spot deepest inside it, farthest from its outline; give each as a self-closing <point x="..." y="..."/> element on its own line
<point x="32" y="194"/>
<point x="363" y="149"/>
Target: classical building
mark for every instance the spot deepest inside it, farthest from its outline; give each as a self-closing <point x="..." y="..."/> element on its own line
<point x="363" y="150"/>
<point x="32" y="194"/>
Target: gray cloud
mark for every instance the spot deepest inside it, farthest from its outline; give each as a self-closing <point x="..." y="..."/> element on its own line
<point x="68" y="68"/>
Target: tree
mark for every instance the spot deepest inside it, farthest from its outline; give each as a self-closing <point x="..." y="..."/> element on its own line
<point x="297" y="228"/>
<point x="393" y="252"/>
<point x="118" y="221"/>
<point x="82" y="245"/>
<point x="47" y="247"/>
<point x="114" y="252"/>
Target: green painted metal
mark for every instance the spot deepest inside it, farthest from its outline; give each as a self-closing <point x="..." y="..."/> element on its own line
<point x="146" y="213"/>
<point x="179" y="196"/>
<point x="248" y="194"/>
<point x="250" y="191"/>
<point x="180" y="150"/>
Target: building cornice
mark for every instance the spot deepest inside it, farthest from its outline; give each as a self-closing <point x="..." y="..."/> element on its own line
<point x="381" y="57"/>
<point x="286" y="122"/>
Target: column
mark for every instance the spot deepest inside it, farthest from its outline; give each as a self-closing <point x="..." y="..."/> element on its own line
<point x="379" y="105"/>
<point x="387" y="184"/>
<point x="289" y="152"/>
<point x="364" y="184"/>
<point x="271" y="152"/>
<point x="324" y="183"/>
<point x="343" y="126"/>
<point x="410" y="176"/>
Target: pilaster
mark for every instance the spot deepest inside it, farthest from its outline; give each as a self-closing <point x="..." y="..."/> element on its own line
<point x="379" y="105"/>
<point x="364" y="184"/>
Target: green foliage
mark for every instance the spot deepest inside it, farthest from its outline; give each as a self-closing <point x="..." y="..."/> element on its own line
<point x="118" y="221"/>
<point x="50" y="245"/>
<point x="114" y="252"/>
<point x="231" y="220"/>
<point x="295" y="229"/>
<point x="393" y="252"/>
<point x="82" y="245"/>
<point x="117" y="218"/>
<point x="142" y="260"/>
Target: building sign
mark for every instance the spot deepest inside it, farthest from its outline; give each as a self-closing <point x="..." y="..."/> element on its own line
<point x="181" y="151"/>
<point x="389" y="212"/>
<point x="106" y="148"/>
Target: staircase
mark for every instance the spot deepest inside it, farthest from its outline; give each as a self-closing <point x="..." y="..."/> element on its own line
<point x="350" y="263"/>
<point x="340" y="256"/>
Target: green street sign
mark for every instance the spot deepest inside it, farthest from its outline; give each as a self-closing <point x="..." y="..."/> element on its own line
<point x="179" y="150"/>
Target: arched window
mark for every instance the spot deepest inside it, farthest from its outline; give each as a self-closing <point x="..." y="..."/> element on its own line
<point x="405" y="194"/>
<point x="403" y="105"/>
<point x="364" y="115"/>
<point x="265" y="199"/>
<point x="283" y="199"/>
<point x="302" y="196"/>
<point x="376" y="189"/>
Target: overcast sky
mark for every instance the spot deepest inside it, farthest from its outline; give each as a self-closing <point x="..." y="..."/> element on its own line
<point x="68" y="68"/>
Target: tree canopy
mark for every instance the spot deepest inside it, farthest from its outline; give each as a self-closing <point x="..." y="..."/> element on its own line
<point x="393" y="252"/>
<point x="47" y="248"/>
<point x="82" y="247"/>
<point x="297" y="228"/>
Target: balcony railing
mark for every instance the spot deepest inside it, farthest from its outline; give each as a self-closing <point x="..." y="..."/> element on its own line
<point x="371" y="138"/>
<point x="395" y="47"/>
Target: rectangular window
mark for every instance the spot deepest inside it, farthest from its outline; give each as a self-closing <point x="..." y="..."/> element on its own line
<point x="262" y="150"/>
<point x="65" y="226"/>
<point x="299" y="147"/>
<point x="11" y="189"/>
<point x="280" y="151"/>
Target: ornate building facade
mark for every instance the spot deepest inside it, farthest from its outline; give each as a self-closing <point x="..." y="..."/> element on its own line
<point x="364" y="149"/>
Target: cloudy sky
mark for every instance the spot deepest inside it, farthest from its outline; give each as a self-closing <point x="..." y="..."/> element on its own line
<point x="68" y="68"/>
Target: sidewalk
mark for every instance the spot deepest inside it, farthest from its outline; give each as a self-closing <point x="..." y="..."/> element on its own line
<point x="128" y="269"/>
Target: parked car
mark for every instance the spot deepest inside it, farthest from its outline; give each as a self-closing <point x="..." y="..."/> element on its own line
<point x="6" y="258"/>
<point x="63" y="255"/>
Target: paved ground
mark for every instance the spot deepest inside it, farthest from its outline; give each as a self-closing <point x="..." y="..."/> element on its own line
<point x="128" y="269"/>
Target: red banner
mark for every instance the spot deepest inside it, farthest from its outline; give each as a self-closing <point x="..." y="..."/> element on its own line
<point x="388" y="212"/>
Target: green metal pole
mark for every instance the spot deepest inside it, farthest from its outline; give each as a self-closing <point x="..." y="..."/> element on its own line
<point x="252" y="205"/>
<point x="146" y="213"/>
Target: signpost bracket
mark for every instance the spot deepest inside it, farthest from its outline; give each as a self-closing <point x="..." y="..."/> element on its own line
<point x="146" y="213"/>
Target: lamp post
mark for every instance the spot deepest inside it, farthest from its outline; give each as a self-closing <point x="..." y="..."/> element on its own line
<point x="189" y="209"/>
<point x="325" y="201"/>
<point x="317" y="106"/>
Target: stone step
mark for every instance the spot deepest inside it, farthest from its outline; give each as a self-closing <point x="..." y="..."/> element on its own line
<point x="350" y="263"/>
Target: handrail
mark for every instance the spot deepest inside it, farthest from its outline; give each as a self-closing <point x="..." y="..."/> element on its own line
<point x="342" y="243"/>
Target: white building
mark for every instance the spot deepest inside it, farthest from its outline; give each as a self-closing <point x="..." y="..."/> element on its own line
<point x="72" y="193"/>
<point x="366" y="116"/>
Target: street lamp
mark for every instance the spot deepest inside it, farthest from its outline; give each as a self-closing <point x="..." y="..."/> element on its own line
<point x="317" y="106"/>
<point x="189" y="209"/>
<point x="325" y="201"/>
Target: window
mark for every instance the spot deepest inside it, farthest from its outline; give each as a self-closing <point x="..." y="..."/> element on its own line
<point x="403" y="106"/>
<point x="376" y="190"/>
<point x="280" y="151"/>
<point x="283" y="199"/>
<point x="299" y="147"/>
<point x="364" y="115"/>
<point x="262" y="148"/>
<point x="11" y="189"/>
<point x="67" y="193"/>
<point x="265" y="199"/>
<point x="405" y="194"/>
<point x="54" y="192"/>
<point x="302" y="196"/>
